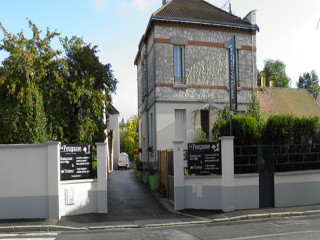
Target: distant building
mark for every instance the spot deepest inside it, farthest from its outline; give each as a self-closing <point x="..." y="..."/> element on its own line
<point x="295" y="101"/>
<point x="183" y="71"/>
<point x="112" y="116"/>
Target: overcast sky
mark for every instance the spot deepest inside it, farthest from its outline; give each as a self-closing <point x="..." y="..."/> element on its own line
<point x="288" y="32"/>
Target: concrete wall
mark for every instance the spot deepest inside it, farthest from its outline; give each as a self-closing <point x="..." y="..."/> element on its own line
<point x="297" y="188"/>
<point x="31" y="187"/>
<point x="202" y="192"/>
<point x="24" y="181"/>
<point x="114" y="125"/>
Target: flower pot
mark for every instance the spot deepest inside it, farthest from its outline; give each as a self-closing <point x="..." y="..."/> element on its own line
<point x="152" y="182"/>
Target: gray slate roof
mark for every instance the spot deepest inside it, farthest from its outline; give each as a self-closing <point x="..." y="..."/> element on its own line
<point x="198" y="11"/>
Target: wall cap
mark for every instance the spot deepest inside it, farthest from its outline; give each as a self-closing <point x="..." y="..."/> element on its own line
<point x="101" y="144"/>
<point x="297" y="173"/>
<point x="52" y="143"/>
<point x="226" y="138"/>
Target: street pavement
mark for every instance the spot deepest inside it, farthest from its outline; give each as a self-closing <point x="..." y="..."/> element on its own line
<point x="132" y="205"/>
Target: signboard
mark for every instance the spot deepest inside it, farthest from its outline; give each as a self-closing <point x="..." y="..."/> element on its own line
<point x="204" y="158"/>
<point x="233" y="74"/>
<point x="75" y="162"/>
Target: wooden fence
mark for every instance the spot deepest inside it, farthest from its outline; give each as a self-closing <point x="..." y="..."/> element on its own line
<point x="163" y="169"/>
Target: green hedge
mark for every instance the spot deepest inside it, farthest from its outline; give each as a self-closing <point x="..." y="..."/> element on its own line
<point x="245" y="129"/>
<point x="277" y="129"/>
<point x="288" y="129"/>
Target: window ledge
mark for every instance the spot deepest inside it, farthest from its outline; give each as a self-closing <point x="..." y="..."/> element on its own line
<point x="180" y="85"/>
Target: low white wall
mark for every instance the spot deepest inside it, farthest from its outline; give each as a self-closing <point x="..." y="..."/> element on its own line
<point x="31" y="187"/>
<point x="202" y="192"/>
<point x="78" y="197"/>
<point x="297" y="188"/>
<point x="24" y="181"/>
<point x="246" y="191"/>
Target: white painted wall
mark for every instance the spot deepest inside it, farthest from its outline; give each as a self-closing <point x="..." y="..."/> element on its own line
<point x="31" y="187"/>
<point x="297" y="188"/>
<point x="78" y="197"/>
<point x="114" y="125"/>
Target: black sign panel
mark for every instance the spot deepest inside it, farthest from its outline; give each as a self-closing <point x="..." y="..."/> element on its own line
<point x="233" y="74"/>
<point x="204" y="158"/>
<point x="75" y="162"/>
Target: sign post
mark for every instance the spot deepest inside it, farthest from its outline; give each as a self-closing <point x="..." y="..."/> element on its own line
<point x="233" y="78"/>
<point x="204" y="158"/>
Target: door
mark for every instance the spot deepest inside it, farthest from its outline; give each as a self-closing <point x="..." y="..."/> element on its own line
<point x="266" y="176"/>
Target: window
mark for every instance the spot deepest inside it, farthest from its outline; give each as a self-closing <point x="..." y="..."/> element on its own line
<point x="180" y="125"/>
<point x="178" y="59"/>
<point x="205" y="122"/>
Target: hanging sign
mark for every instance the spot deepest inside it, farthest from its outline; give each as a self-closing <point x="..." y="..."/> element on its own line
<point x="233" y="74"/>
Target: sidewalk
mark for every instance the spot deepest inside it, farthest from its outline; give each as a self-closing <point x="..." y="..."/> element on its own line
<point x="91" y="222"/>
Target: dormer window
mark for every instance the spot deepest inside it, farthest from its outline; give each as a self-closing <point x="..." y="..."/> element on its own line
<point x="178" y="60"/>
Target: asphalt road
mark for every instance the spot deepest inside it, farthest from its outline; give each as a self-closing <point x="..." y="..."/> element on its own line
<point x="283" y="229"/>
<point x="130" y="202"/>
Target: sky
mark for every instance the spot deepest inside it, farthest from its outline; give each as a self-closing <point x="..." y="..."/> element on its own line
<point x="288" y="32"/>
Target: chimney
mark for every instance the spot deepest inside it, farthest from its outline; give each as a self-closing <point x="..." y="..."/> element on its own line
<point x="263" y="79"/>
<point x="164" y="2"/>
<point x="251" y="17"/>
<point x="272" y="81"/>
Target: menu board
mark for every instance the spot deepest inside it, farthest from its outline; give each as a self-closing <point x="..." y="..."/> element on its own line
<point x="204" y="158"/>
<point x="75" y="162"/>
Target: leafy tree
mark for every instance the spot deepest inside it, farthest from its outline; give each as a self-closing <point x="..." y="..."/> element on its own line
<point x="200" y="136"/>
<point x="276" y="69"/>
<point x="47" y="96"/>
<point x="123" y="130"/>
<point x="309" y="81"/>
<point x="131" y="136"/>
<point x="22" y="115"/>
<point x="253" y="109"/>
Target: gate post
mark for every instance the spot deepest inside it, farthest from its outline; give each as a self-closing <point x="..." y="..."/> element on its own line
<point x="102" y="185"/>
<point x="178" y="168"/>
<point x="53" y="151"/>
<point x="227" y="180"/>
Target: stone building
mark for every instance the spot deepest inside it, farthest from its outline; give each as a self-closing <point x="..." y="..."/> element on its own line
<point x="183" y="71"/>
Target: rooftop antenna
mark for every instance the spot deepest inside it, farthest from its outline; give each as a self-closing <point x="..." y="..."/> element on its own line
<point x="225" y="5"/>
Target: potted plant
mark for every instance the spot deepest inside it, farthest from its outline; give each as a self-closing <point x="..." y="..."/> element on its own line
<point x="161" y="190"/>
<point x="150" y="149"/>
<point x="139" y="169"/>
<point x="152" y="178"/>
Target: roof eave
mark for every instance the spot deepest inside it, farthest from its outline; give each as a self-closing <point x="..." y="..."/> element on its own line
<point x="208" y="23"/>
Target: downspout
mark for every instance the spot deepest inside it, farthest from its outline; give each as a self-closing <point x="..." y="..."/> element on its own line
<point x="155" y="106"/>
<point x="253" y="77"/>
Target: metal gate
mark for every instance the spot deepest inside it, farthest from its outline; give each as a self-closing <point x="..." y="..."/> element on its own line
<point x="266" y="176"/>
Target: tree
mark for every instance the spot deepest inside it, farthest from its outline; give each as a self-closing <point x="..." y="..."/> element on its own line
<point x="46" y="96"/>
<point x="309" y="81"/>
<point x="131" y="137"/>
<point x="200" y="136"/>
<point x="253" y="109"/>
<point x="123" y="130"/>
<point x="276" y="69"/>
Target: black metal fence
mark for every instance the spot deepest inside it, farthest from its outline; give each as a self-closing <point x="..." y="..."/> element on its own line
<point x="286" y="158"/>
<point x="246" y="159"/>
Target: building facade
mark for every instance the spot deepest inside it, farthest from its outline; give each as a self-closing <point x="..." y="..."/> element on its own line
<point x="183" y="71"/>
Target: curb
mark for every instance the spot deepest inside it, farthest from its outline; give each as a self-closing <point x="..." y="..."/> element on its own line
<point x="248" y="217"/>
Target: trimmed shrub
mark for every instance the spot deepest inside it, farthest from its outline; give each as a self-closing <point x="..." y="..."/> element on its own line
<point x="288" y="129"/>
